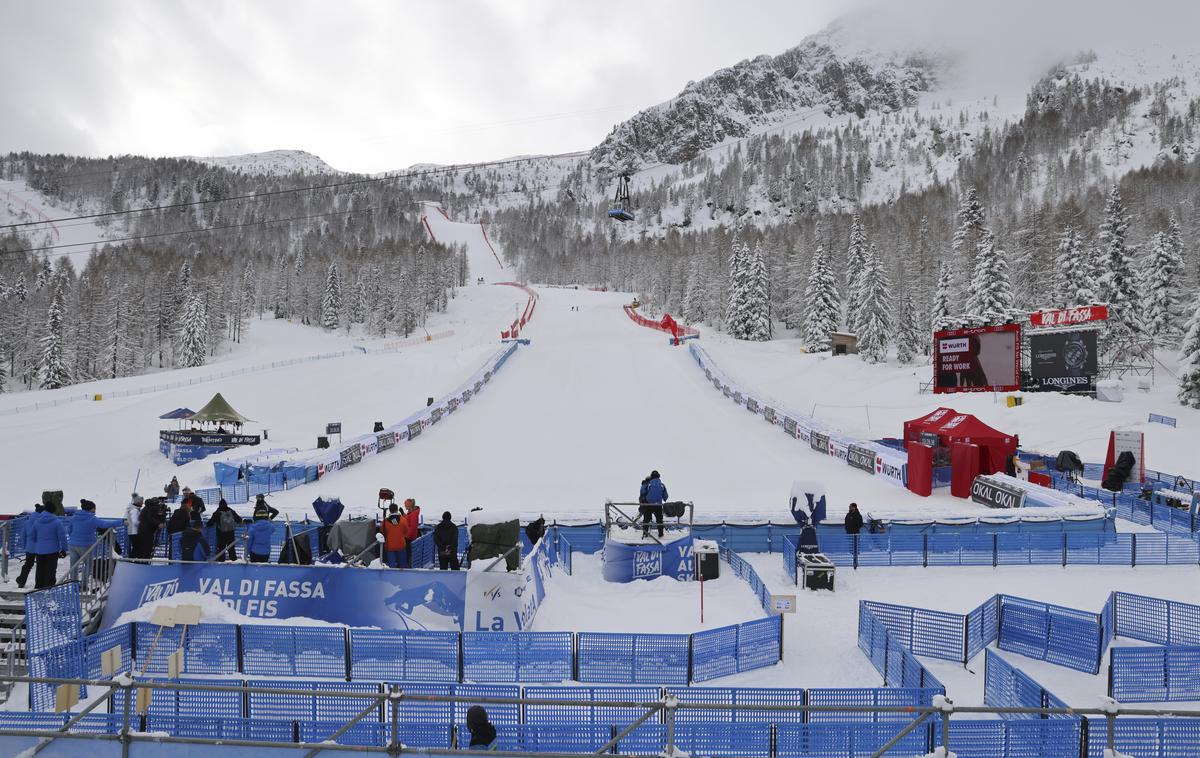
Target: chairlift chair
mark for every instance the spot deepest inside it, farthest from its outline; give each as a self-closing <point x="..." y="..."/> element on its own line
<point x="622" y="208"/>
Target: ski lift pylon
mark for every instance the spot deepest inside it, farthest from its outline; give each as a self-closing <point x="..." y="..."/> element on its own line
<point x="622" y="209"/>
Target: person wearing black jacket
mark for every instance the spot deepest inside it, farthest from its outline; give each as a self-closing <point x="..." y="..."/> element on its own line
<point x="483" y="734"/>
<point x="150" y="522"/>
<point x="261" y="509"/>
<point x="226" y="522"/>
<point x="854" y="520"/>
<point x="445" y="539"/>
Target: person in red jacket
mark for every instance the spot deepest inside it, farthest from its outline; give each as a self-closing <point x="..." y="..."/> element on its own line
<point x="412" y="514"/>
<point x="395" y="537"/>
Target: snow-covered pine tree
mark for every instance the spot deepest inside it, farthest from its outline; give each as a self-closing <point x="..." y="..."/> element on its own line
<point x="971" y="226"/>
<point x="822" y="307"/>
<point x="119" y="356"/>
<point x="942" y="314"/>
<point x="1117" y="285"/>
<point x="358" y="302"/>
<point x="990" y="296"/>
<point x="758" y="298"/>
<point x="1163" y="269"/>
<point x="875" y="310"/>
<point x="1073" y="277"/>
<point x="736" y="318"/>
<point x="331" y="303"/>
<point x="793" y="305"/>
<point x="193" y="332"/>
<point x="856" y="255"/>
<point x="694" y="296"/>
<point x="283" y="288"/>
<point x="53" y="363"/>
<point x="1189" y="360"/>
<point x="910" y="338"/>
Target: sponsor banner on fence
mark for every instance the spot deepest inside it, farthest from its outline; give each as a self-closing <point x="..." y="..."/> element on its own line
<point x="1069" y="316"/>
<point x="892" y="465"/>
<point x="385" y="441"/>
<point x="414" y="599"/>
<point x="351" y="455"/>
<point x="981" y="359"/>
<point x="819" y="442"/>
<point x="503" y="601"/>
<point x="839" y="448"/>
<point x="861" y="458"/>
<point x="211" y="440"/>
<point x="995" y="494"/>
<point x="1164" y="420"/>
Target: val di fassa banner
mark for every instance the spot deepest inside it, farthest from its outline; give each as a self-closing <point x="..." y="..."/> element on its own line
<point x="501" y="601"/>
<point x="420" y="599"/>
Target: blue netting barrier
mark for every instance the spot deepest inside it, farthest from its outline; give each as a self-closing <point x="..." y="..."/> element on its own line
<point x="374" y="734"/>
<point x="386" y="655"/>
<point x="588" y="714"/>
<point x="632" y="658"/>
<point x="1007" y="686"/>
<point x="497" y="714"/>
<point x="96" y="645"/>
<point x="714" y="653"/>
<point x="789" y="557"/>
<point x="550" y="737"/>
<point x="706" y="738"/>
<point x="424" y="555"/>
<point x="1023" y="738"/>
<point x="66" y="661"/>
<point x="1146" y="737"/>
<point x="1154" y="674"/>
<point x="864" y="696"/>
<point x="935" y="634"/>
<point x="1163" y="622"/>
<point x="212" y="728"/>
<point x="1052" y="633"/>
<point x="517" y="656"/>
<point x="417" y="712"/>
<point x="889" y="656"/>
<point x="309" y="707"/>
<point x="982" y="626"/>
<point x="746" y="573"/>
<point x="293" y="651"/>
<point x="759" y="643"/>
<point x="847" y="740"/>
<point x="201" y="703"/>
<point x="53" y="617"/>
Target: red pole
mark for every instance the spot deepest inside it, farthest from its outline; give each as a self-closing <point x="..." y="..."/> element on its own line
<point x="702" y="598"/>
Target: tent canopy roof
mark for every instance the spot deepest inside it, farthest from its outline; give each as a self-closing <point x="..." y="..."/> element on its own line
<point x="949" y="423"/>
<point x="219" y="410"/>
<point x="178" y="413"/>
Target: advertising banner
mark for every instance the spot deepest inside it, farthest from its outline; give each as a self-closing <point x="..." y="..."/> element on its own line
<point x="995" y="494"/>
<point x="768" y="413"/>
<point x="503" y="601"/>
<point x="350" y="455"/>
<point x="1069" y="316"/>
<point x="819" y="442"/>
<point x="981" y="359"/>
<point x="892" y="466"/>
<point x="751" y="405"/>
<point x="861" y="458"/>
<point x="789" y="426"/>
<point x="416" y="599"/>
<point x="624" y="562"/>
<point x="1063" y="360"/>
<point x="839" y="448"/>
<point x="202" y="438"/>
<point x="385" y="441"/>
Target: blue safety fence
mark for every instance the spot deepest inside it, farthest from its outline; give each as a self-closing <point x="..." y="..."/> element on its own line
<point x="1052" y="633"/>
<point x="744" y="571"/>
<point x="935" y="634"/>
<point x="518" y="656"/>
<point x="633" y="658"/>
<point x="1013" y="738"/>
<point x="790" y="550"/>
<point x="562" y="550"/>
<point x="54" y="640"/>
<point x="294" y="651"/>
<point x="982" y="626"/>
<point x="1151" y="619"/>
<point x="898" y="666"/>
<point x="1145" y="737"/>
<point x="846" y="740"/>
<point x="416" y="656"/>
<point x="1010" y="549"/>
<point x="1154" y="674"/>
<point x="1005" y="686"/>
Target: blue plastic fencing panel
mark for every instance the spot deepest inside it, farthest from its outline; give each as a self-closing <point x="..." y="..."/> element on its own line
<point x="1028" y="738"/>
<point x="162" y="703"/>
<point x="606" y="657"/>
<point x="872" y="637"/>
<point x="1154" y="674"/>
<point x="1163" y="622"/>
<point x="497" y="714"/>
<point x="154" y="644"/>
<point x="273" y="707"/>
<point x="545" y="656"/>
<point x="1153" y="738"/>
<point x="208" y="704"/>
<point x="344" y="707"/>
<point x="864" y="696"/>
<point x="565" y="737"/>
<point x="97" y="644"/>
<point x="703" y="696"/>
<point x="490" y="656"/>
<point x="848" y="740"/>
<point x="714" y="653"/>
<point x="982" y="626"/>
<point x="53" y="617"/>
<point x="387" y="655"/>
<point x="67" y="660"/>
<point x="211" y="649"/>
<point x="722" y="739"/>
<point x="563" y="714"/>
<point x="417" y="712"/>
<point x="660" y="659"/>
<point x="759" y="643"/>
<point x="767" y="696"/>
<point x="372" y="734"/>
<point x="1065" y="636"/>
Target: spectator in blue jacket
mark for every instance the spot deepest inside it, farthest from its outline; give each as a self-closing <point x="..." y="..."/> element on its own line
<point x="48" y="538"/>
<point x="84" y="526"/>
<point x="25" y="540"/>
<point x="651" y="498"/>
<point x="258" y="538"/>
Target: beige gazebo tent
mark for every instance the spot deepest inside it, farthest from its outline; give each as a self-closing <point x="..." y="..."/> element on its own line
<point x="219" y="411"/>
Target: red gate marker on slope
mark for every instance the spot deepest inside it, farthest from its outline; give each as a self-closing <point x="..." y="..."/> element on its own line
<point x="425" y="221"/>
<point x="483" y="229"/>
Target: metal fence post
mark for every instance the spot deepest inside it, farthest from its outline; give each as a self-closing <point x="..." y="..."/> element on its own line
<point x="1133" y="551"/>
<point x="670" y="702"/>
<point x="127" y="691"/>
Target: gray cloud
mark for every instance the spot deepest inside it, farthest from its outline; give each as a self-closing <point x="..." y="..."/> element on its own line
<point x="365" y="84"/>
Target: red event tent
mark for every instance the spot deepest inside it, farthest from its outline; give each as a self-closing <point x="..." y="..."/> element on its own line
<point x="951" y="426"/>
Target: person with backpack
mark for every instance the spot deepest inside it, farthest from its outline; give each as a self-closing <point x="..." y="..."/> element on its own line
<point x="150" y="522"/>
<point x="395" y="537"/>
<point x="226" y="521"/>
<point x="261" y="507"/>
<point x="258" y="537"/>
<point x="445" y="539"/>
<point x="48" y="538"/>
<point x="653" y="495"/>
<point x="191" y="539"/>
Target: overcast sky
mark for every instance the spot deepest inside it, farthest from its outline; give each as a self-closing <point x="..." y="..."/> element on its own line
<point x="368" y="85"/>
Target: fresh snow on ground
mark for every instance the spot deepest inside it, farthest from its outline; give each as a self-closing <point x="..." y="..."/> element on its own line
<point x="481" y="260"/>
<point x="22" y="204"/>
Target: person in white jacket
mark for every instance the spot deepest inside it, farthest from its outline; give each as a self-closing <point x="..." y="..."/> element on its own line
<point x="133" y="516"/>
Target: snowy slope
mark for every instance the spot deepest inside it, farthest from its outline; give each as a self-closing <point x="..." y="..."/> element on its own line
<point x="20" y="203"/>
<point x="270" y="163"/>
<point x="483" y="256"/>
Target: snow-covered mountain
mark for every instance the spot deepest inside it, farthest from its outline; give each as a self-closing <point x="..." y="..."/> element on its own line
<point x="271" y="163"/>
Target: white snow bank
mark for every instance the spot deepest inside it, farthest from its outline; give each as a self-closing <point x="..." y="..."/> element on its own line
<point x="213" y="611"/>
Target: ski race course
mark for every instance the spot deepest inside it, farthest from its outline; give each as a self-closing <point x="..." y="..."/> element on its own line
<point x="580" y="415"/>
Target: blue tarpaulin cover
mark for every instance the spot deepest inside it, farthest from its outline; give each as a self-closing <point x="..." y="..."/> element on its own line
<point x="179" y="413"/>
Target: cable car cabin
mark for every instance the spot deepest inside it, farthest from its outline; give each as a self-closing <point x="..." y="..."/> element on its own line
<point x="622" y="204"/>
